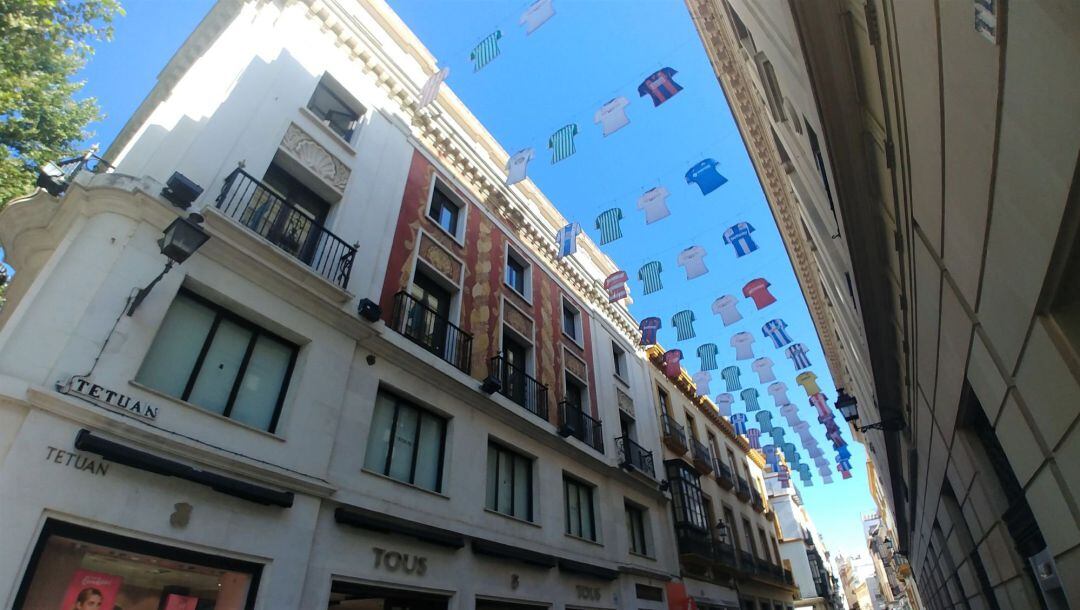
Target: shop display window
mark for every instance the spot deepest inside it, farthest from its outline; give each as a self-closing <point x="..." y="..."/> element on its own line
<point x="353" y="596"/>
<point x="485" y="604"/>
<point x="77" y="568"/>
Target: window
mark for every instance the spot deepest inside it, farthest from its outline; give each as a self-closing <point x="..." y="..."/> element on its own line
<point x="517" y="273"/>
<point x="635" y="528"/>
<point x="1065" y="303"/>
<point x="618" y="357"/>
<point x="733" y="532"/>
<point x="772" y="88"/>
<point x="691" y="429"/>
<point x="734" y="464"/>
<point x="775" y="550"/>
<point x="406" y="442"/>
<point x="294" y="228"/>
<point x="220" y="362"/>
<point x="345" y="594"/>
<point x="571" y="321"/>
<point x="653" y="594"/>
<point x="509" y="482"/>
<point x="748" y="537"/>
<point x="686" y="498"/>
<point x="580" y="520"/>
<point x="575" y="392"/>
<point x="764" y="544"/>
<point x="662" y="398"/>
<point x="444" y="211"/>
<point x="329" y="103"/>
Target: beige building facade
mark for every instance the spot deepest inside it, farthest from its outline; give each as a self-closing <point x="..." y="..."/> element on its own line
<point x="929" y="153"/>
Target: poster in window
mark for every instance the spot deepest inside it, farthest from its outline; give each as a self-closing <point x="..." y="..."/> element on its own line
<point x="181" y="602"/>
<point x="91" y="591"/>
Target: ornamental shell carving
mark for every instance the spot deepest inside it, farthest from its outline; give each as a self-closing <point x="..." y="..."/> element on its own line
<point x="314" y="157"/>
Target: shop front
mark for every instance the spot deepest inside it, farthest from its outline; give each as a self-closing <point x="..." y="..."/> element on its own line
<point x="691" y="594"/>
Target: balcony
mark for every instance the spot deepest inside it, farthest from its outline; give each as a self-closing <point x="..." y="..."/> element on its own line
<point x="518" y="386"/>
<point x="695" y="546"/>
<point x="723" y="475"/>
<point x="291" y="228"/>
<point x="674" y="436"/>
<point x="575" y="422"/>
<point x="746" y="562"/>
<point x="788" y="578"/>
<point x="633" y="456"/>
<point x="756" y="502"/>
<point x="702" y="458"/>
<point x="743" y="490"/>
<point x="426" y="328"/>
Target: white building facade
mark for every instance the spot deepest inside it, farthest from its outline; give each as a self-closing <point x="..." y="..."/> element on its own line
<point x="803" y="549"/>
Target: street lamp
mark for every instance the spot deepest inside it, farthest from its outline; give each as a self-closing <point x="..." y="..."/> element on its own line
<point x="849" y="408"/>
<point x="723" y="531"/>
<point x="179" y="241"/>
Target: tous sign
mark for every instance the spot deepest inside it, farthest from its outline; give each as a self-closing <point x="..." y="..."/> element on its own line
<point x="393" y="561"/>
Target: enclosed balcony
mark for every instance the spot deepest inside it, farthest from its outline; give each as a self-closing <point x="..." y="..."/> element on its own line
<point x="575" y="422"/>
<point x="703" y="460"/>
<point x="518" y="386"/>
<point x="293" y="229"/>
<point x="425" y="327"/>
<point x="633" y="456"/>
<point x="723" y="475"/>
<point x="673" y="435"/>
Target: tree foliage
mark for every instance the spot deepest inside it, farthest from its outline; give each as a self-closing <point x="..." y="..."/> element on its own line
<point x="43" y="44"/>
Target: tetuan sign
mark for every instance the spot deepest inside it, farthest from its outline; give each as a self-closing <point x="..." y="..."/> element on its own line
<point x="84" y="388"/>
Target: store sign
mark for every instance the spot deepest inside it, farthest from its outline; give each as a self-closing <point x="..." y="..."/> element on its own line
<point x="78" y="461"/>
<point x="589" y="593"/>
<point x="393" y="561"/>
<point x="84" y="388"/>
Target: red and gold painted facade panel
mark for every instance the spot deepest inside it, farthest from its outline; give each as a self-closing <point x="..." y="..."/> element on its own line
<point x="482" y="287"/>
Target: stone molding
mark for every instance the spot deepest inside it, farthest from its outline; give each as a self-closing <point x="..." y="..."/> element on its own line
<point x="316" y="159"/>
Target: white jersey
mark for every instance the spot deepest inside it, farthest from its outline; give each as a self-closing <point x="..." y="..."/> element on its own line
<point x="612" y="116"/>
<point x="654" y="202"/>
<point x="725" y="307"/>
<point x="790" y="413"/>
<point x="517" y="165"/>
<point x="763" y="368"/>
<point x="779" y="393"/>
<point x="701" y="380"/>
<point x="723" y="403"/>
<point x="743" y="344"/>
<point x="692" y="260"/>
<point x="431" y="87"/>
<point x="536" y="15"/>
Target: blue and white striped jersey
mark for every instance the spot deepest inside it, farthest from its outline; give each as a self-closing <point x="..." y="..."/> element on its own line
<point x="738" y="420"/>
<point x="683" y="322"/>
<point x="608" y="224"/>
<point x="561" y="142"/>
<point x="731" y="378"/>
<point x="738" y="235"/>
<point x="797" y="353"/>
<point x="649" y="274"/>
<point x="775" y="330"/>
<point x="707" y="353"/>
<point x="566" y="238"/>
<point x="750" y="396"/>
<point x="487" y="50"/>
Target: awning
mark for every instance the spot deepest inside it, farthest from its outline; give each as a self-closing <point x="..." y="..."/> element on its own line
<point x="382" y="522"/>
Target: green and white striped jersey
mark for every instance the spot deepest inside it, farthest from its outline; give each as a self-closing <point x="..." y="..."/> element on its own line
<point x="561" y="142"/>
<point x="487" y="50"/>
<point x="608" y="224"/>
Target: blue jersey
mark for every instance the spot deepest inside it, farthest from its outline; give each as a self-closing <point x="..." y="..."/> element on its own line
<point x="649" y="274"/>
<point x="660" y="86"/>
<point x="683" y="322"/>
<point x="704" y="174"/>
<point x="797" y="354"/>
<point x="776" y="330"/>
<point x="738" y="420"/>
<point x="738" y="235"/>
<point x="566" y="238"/>
<point x="648" y="327"/>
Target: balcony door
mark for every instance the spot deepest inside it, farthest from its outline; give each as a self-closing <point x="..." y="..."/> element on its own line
<point x="294" y="228"/>
<point x="430" y="314"/>
<point x="515" y="354"/>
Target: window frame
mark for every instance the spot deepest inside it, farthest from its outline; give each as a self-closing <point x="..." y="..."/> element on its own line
<point x="337" y="91"/>
<point x="663" y="400"/>
<point x="388" y="461"/>
<point x="642" y="535"/>
<point x="618" y="358"/>
<point x="512" y="253"/>
<point x="442" y="188"/>
<point x="576" y="317"/>
<point x="579" y="485"/>
<point x="222" y="313"/>
<point x="492" y="504"/>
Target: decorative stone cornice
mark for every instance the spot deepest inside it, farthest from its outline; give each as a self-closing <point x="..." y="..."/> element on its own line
<point x="751" y="116"/>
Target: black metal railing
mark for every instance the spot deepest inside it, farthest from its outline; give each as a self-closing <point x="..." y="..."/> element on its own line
<point x="56" y="177"/>
<point x="756" y="501"/>
<point x="635" y="456"/>
<point x="425" y="327"/>
<point x="746" y="562"/>
<point x="724" y="554"/>
<point x="519" y="387"/>
<point x="674" y="435"/>
<point x="292" y="229"/>
<point x="743" y="490"/>
<point x="723" y="475"/>
<point x="575" y="422"/>
<point x="702" y="458"/>
<point x="692" y="541"/>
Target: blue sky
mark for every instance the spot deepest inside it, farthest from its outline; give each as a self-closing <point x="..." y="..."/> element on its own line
<point x="590" y="52"/>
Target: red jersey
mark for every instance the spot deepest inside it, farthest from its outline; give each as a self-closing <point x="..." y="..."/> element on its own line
<point x="758" y="289"/>
<point x="672" y="357"/>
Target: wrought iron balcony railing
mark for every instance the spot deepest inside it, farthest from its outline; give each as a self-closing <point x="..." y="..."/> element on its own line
<point x="291" y="228"/>
<point x="519" y="387"/>
<point x="575" y="422"/>
<point x="756" y="501"/>
<point x="702" y="458"/>
<point x="723" y="475"/>
<point x="425" y="327"/>
<point x="674" y="436"/>
<point x="633" y="455"/>
<point x="743" y="490"/>
<point x="746" y="562"/>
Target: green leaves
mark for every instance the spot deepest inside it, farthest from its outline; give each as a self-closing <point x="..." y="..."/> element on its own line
<point x="43" y="43"/>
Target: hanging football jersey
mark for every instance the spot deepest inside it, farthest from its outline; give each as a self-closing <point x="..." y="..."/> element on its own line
<point x="725" y="307"/>
<point x="738" y="236"/>
<point x="672" y="368"/>
<point x="612" y="116"/>
<point x="536" y="15"/>
<point x="654" y="203"/>
<point x="754" y="436"/>
<point x="430" y="90"/>
<point x="778" y="391"/>
<point x="797" y="354"/>
<point x="706" y="352"/>
<point x="777" y="433"/>
<point x="660" y="86"/>
<point x="731" y="378"/>
<point x="775" y="330"/>
<point x="843" y="453"/>
<point x="487" y="50"/>
<point x="566" y="239"/>
<point x="683" y="322"/>
<point x="784" y="476"/>
<point x="723" y="404"/>
<point x="808" y="381"/>
<point x="648" y="328"/>
<point x="758" y="289"/>
<point x="693" y="260"/>
<point x="738" y="421"/>
<point x="791" y="413"/>
<point x="701" y="382"/>
<point x="649" y="275"/>
<point x="615" y="285"/>
<point x="750" y="396"/>
<point x="763" y="368"/>
<point x="517" y="166"/>
<point x="743" y="344"/>
<point x="802" y="428"/>
<point x="561" y="143"/>
<point x="820" y="461"/>
<point x="608" y="224"/>
<point x="704" y="174"/>
<point x="764" y="419"/>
